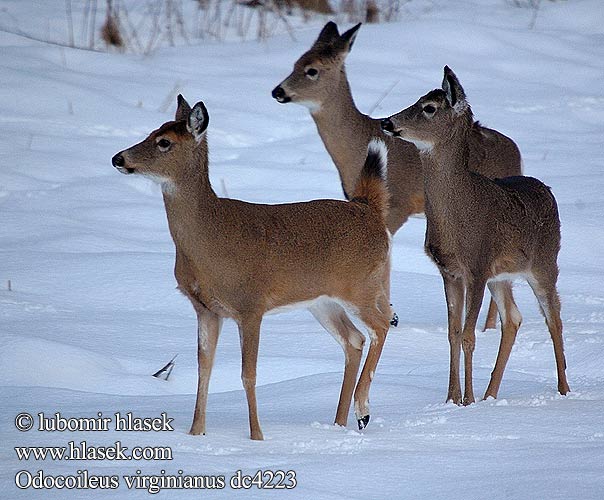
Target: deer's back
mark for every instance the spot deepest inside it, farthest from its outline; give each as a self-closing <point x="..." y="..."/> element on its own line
<point x="493" y="154"/>
<point x="314" y="233"/>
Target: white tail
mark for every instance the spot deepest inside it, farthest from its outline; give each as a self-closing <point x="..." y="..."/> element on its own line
<point x="241" y="260"/>
<point x="319" y="82"/>
<point x="481" y="232"/>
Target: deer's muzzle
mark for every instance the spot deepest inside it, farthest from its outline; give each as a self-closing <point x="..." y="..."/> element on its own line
<point x="119" y="162"/>
<point x="388" y="127"/>
<point x="278" y="93"/>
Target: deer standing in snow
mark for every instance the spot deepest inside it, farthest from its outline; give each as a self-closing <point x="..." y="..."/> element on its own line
<point x="481" y="232"/>
<point x="242" y="260"/>
<point x="319" y="82"/>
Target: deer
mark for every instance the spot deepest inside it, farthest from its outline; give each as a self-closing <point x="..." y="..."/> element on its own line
<point x="481" y="232"/>
<point x="242" y="260"/>
<point x="319" y="82"/>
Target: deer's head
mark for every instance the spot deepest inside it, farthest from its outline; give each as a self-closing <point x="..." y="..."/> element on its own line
<point x="317" y="73"/>
<point x="170" y="150"/>
<point x="434" y="117"/>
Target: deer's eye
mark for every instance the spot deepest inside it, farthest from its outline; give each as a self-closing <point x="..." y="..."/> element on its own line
<point x="164" y="145"/>
<point x="312" y="73"/>
<point x="429" y="109"/>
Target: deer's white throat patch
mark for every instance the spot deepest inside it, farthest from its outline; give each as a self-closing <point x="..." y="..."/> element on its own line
<point x="423" y="147"/>
<point x="167" y="186"/>
<point x="312" y="106"/>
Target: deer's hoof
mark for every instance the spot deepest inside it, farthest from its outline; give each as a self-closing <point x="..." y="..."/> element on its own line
<point x="363" y="422"/>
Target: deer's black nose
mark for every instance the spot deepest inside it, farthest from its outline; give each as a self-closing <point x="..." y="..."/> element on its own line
<point x="387" y="125"/>
<point x="278" y="92"/>
<point x="118" y="160"/>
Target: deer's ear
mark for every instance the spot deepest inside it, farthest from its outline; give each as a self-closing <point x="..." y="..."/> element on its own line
<point x="454" y="91"/>
<point x="197" y="121"/>
<point x="329" y="33"/>
<point x="182" y="109"/>
<point x="348" y="37"/>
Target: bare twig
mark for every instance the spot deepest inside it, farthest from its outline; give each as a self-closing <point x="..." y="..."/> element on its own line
<point x="156" y="31"/>
<point x="131" y="31"/>
<point x="151" y="23"/>
<point x="170" y="98"/>
<point x="383" y="96"/>
<point x="180" y="22"/>
<point x="29" y="36"/>
<point x="92" y="24"/>
<point x="535" y="5"/>
<point x="277" y="11"/>
<point x="225" y="193"/>
<point x="167" y="368"/>
<point x="69" y="22"/>
<point x="84" y="29"/>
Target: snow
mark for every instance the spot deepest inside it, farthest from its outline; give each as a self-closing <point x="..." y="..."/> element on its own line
<point x="93" y="308"/>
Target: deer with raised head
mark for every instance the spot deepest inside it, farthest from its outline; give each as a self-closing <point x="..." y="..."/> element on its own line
<point x="319" y="82"/>
<point x="481" y="232"/>
<point x="242" y="260"/>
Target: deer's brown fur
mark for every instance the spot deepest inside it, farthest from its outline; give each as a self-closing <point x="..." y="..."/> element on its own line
<point x="241" y="260"/>
<point x="346" y="131"/>
<point x="481" y="232"/>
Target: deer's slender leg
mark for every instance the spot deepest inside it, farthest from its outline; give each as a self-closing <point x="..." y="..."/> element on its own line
<point x="454" y="295"/>
<point x="474" y="295"/>
<point x="491" y="320"/>
<point x="249" y="334"/>
<point x="335" y="320"/>
<point x="511" y="319"/>
<point x="377" y="320"/>
<point x="549" y="302"/>
<point x="208" y="330"/>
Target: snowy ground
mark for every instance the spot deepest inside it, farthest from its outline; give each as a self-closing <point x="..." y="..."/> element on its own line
<point x="93" y="308"/>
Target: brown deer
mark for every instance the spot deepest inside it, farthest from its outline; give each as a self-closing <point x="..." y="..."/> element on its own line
<point x="319" y="82"/>
<point x="481" y="232"/>
<point x="242" y="260"/>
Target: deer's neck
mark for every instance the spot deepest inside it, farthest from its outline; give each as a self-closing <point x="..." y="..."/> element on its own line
<point x="448" y="183"/>
<point x="345" y="131"/>
<point x="191" y="204"/>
